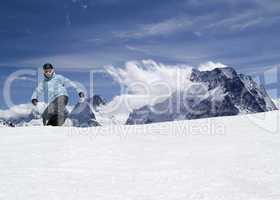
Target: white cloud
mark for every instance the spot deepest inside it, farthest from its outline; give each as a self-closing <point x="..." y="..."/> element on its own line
<point x="208" y="66"/>
<point x="146" y="83"/>
<point x="18" y="111"/>
<point x="148" y="72"/>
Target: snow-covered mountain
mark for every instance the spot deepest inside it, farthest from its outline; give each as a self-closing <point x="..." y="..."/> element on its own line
<point x="219" y="92"/>
<point x="224" y="158"/>
<point x="202" y="94"/>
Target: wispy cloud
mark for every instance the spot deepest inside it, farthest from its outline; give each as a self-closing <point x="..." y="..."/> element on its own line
<point x="26" y="78"/>
<point x="237" y="22"/>
<point x="260" y="14"/>
<point x="165" y="27"/>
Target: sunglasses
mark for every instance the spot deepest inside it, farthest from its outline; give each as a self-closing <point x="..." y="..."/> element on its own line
<point x="48" y="71"/>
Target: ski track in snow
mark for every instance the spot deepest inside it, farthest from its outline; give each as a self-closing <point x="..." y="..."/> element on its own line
<point x="174" y="160"/>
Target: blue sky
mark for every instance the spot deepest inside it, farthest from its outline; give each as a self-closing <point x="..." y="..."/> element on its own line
<point x="78" y="35"/>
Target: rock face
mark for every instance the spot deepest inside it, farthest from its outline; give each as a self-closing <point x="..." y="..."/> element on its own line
<point x="83" y="115"/>
<point x="4" y="123"/>
<point x="96" y="101"/>
<point x="220" y="92"/>
<point x="242" y="90"/>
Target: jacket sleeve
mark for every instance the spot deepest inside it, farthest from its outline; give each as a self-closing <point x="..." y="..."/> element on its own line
<point x="68" y="83"/>
<point x="38" y="91"/>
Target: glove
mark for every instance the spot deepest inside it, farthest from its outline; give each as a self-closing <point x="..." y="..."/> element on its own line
<point x="34" y="102"/>
<point x="81" y="95"/>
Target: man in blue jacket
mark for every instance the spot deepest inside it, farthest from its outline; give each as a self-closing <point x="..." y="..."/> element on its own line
<point x="54" y="88"/>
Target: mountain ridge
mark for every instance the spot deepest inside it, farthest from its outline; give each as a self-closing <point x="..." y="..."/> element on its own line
<point x="219" y="92"/>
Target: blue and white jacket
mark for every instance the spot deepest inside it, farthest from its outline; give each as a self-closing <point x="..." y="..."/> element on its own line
<point x="50" y="88"/>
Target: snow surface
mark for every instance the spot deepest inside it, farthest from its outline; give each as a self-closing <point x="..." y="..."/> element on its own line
<point x="276" y="102"/>
<point x="230" y="158"/>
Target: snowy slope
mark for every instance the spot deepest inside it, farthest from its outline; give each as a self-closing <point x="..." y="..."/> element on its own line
<point x="230" y="158"/>
<point x="277" y="102"/>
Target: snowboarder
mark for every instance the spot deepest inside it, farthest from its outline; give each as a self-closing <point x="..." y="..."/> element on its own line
<point x="54" y="88"/>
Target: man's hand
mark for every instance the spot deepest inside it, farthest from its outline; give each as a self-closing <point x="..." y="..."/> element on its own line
<point x="81" y="95"/>
<point x="34" y="102"/>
